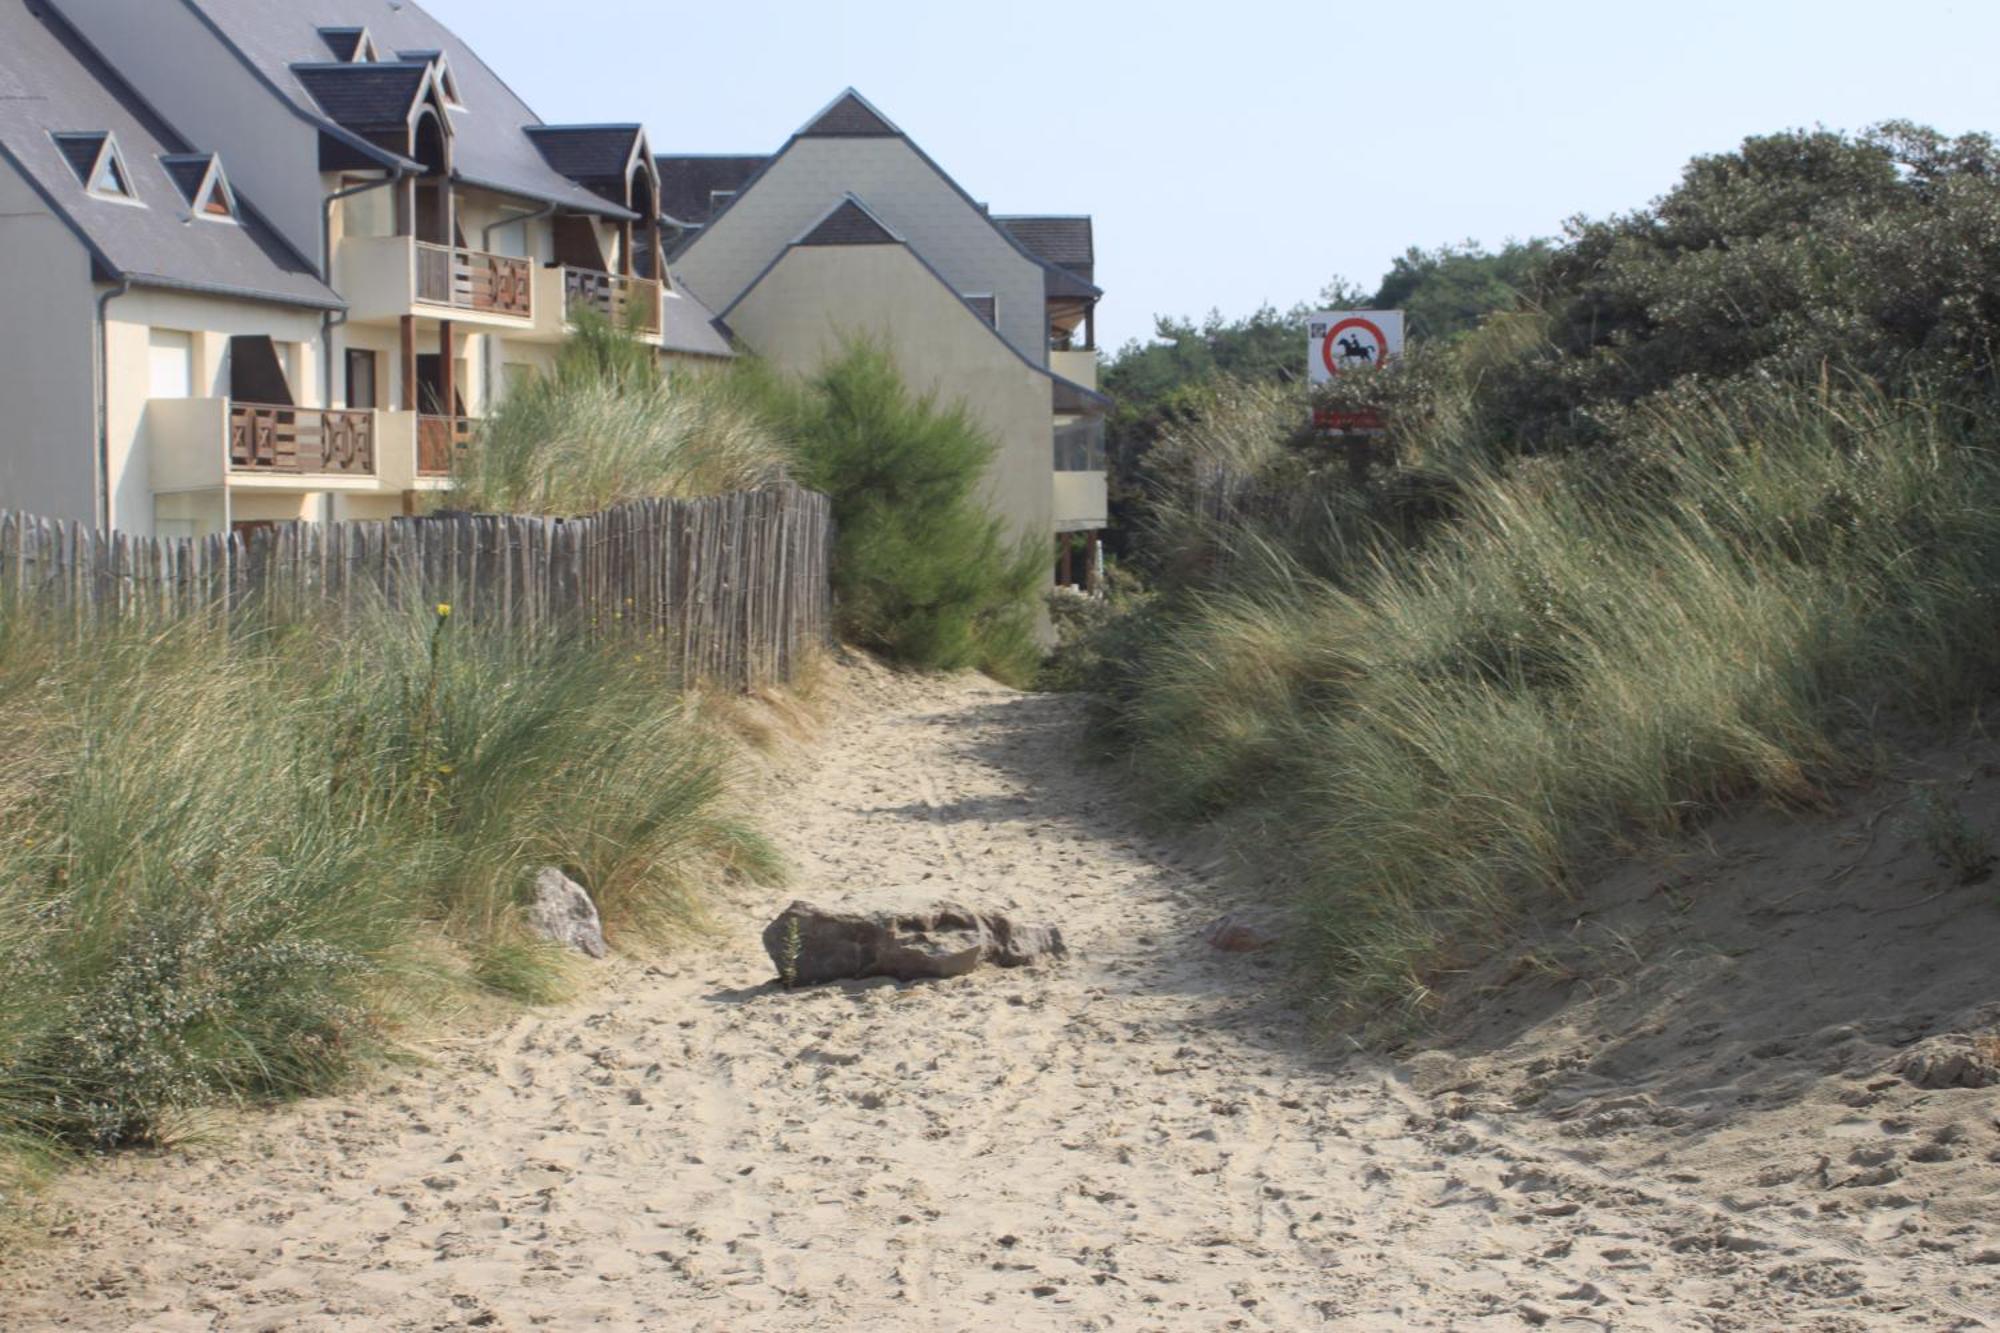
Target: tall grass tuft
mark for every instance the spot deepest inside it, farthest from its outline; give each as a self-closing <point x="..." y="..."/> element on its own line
<point x="231" y="858"/>
<point x="1586" y="651"/>
<point x="608" y="426"/>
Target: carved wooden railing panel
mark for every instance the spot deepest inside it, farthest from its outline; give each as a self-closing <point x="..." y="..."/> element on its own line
<point x="620" y="299"/>
<point x="439" y="441"/>
<point x="475" y="280"/>
<point x="301" y="441"/>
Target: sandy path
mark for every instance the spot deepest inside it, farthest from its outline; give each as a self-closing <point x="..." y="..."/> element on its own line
<point x="1135" y="1138"/>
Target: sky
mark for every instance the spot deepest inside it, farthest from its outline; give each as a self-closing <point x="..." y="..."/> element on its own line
<point x="1247" y="152"/>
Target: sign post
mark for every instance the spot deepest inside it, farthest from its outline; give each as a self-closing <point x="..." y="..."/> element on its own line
<point x="1339" y="342"/>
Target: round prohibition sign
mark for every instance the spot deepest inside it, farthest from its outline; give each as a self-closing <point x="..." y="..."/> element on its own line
<point x="1367" y="327"/>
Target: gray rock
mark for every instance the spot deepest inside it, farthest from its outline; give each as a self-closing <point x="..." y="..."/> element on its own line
<point x="810" y="945"/>
<point x="1955" y="1060"/>
<point x="563" y="912"/>
<point x="1237" y="933"/>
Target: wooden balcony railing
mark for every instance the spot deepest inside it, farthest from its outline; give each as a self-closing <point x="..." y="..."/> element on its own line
<point x="439" y="442"/>
<point x="619" y="299"/>
<point x="475" y="280"/>
<point x="301" y="440"/>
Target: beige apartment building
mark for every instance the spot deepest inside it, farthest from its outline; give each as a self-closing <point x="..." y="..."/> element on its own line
<point x="850" y="228"/>
<point x="328" y="239"/>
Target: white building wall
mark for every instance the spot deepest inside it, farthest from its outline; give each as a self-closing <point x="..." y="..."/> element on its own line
<point x="48" y="422"/>
<point x="898" y="186"/>
<point x="194" y="80"/>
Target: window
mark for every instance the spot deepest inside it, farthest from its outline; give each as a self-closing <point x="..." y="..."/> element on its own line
<point x="98" y="165"/>
<point x="719" y="200"/>
<point x="361" y="379"/>
<point x="170" y="363"/>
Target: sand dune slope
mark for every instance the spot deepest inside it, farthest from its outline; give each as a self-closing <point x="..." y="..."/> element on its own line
<point x="1138" y="1137"/>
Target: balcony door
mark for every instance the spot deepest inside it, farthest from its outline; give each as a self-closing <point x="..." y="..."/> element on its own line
<point x="430" y="387"/>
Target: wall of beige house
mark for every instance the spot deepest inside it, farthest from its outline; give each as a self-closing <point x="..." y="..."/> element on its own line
<point x="48" y="421"/>
<point x="892" y="179"/>
<point x="193" y="80"/>
<point x="149" y="335"/>
<point x="939" y="344"/>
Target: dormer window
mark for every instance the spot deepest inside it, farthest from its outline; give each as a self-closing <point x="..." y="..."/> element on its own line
<point x="98" y="165"/>
<point x="201" y="182"/>
<point x="719" y="200"/>
<point x="351" y="45"/>
<point x="447" y="82"/>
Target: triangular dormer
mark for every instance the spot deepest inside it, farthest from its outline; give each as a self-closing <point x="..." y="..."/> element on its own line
<point x="199" y="178"/>
<point x="447" y="82"/>
<point x="849" y="223"/>
<point x="352" y="46"/>
<point x="850" y="116"/>
<point x="99" y="166"/>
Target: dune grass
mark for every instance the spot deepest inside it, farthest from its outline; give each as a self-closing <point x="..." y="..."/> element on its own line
<point x="1435" y="733"/>
<point x="609" y="426"/>
<point x="234" y="860"/>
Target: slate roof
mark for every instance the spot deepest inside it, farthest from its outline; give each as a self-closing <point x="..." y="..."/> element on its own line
<point x="849" y="223"/>
<point x="689" y="183"/>
<point x="490" y="148"/>
<point x="1065" y="241"/>
<point x="51" y="82"/>
<point x="686" y="325"/>
<point x="366" y="98"/>
<point x="850" y="116"/>
<point x="587" y="152"/>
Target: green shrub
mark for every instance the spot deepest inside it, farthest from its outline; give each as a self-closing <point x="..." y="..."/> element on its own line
<point x="922" y="571"/>
<point x="230" y="859"/>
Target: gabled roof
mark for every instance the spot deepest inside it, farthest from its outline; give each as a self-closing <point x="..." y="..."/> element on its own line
<point x="369" y="97"/>
<point x="589" y="153"/>
<point x="850" y="116"/>
<point x="489" y="147"/>
<point x="690" y="182"/>
<point x="52" y="81"/>
<point x="849" y="223"/>
<point x="1063" y="240"/>
<point x="1065" y="395"/>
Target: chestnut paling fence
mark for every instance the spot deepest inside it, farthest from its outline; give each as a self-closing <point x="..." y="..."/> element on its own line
<point x="735" y="586"/>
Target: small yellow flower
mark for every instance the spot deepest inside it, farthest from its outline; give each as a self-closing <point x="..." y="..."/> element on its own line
<point x="444" y="768"/>
<point x="444" y="610"/>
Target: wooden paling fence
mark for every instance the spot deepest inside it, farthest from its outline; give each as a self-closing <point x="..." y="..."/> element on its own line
<point x="736" y="586"/>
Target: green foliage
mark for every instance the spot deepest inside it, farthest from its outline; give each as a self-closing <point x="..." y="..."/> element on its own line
<point x="607" y="426"/>
<point x="230" y="859"/>
<point x="922" y="572"/>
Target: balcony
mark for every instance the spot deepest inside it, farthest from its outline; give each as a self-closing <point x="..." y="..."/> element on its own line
<point x="440" y="441"/>
<point x="387" y="277"/>
<point x="1078" y="367"/>
<point x="633" y="302"/>
<point x="209" y="443"/>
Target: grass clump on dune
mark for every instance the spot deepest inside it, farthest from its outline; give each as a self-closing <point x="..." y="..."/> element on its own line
<point x="1592" y="648"/>
<point x="233" y="860"/>
<point x="608" y="426"/>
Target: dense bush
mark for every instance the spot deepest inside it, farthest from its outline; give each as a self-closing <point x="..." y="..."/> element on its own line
<point x="923" y="572"/>
<point x="230" y="858"/>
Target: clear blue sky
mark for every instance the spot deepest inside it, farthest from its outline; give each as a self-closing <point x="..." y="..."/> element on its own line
<point x="1247" y="151"/>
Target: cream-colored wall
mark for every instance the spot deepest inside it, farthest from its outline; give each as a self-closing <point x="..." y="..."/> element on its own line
<point x="896" y="184"/>
<point x="48" y="419"/>
<point x="798" y="316"/>
<point x="213" y="321"/>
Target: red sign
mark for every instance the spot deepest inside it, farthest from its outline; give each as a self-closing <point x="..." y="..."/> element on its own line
<point x="1352" y="348"/>
<point x="1328" y="418"/>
